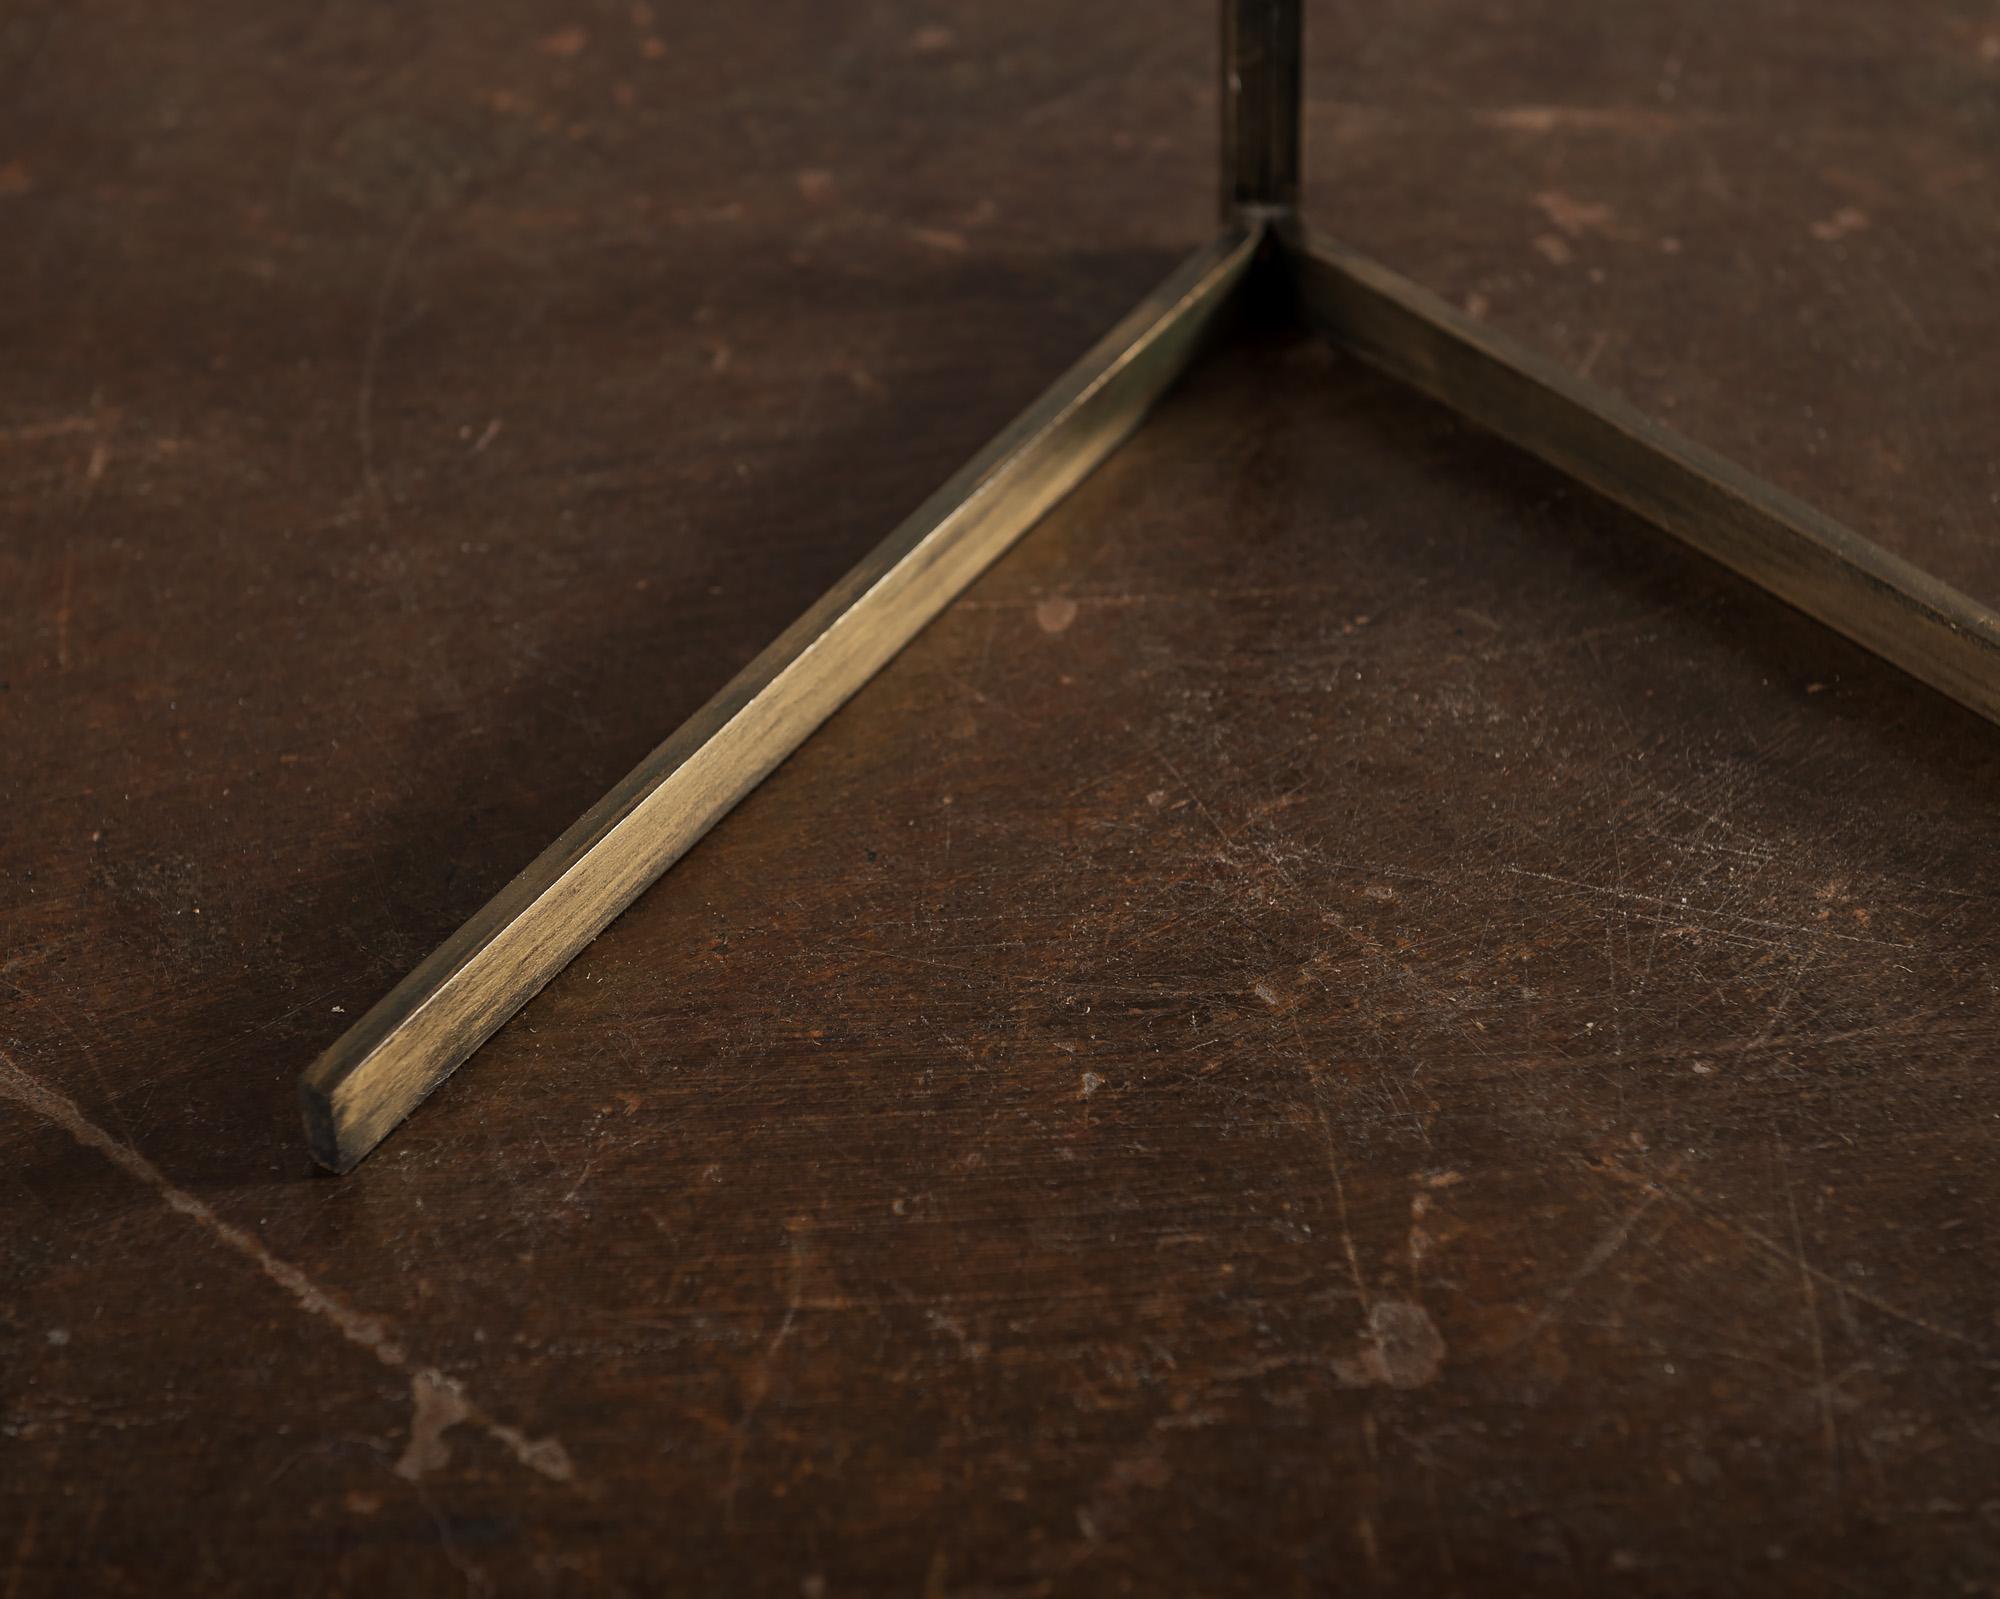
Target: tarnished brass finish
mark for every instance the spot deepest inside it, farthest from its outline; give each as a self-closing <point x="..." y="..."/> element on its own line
<point x="384" y="1066"/>
<point x="1262" y="80"/>
<point x="372" y="1078"/>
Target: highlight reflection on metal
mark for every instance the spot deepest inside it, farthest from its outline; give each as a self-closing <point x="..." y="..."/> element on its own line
<point x="412" y="1040"/>
<point x="1263" y="78"/>
<point x="426" y="1027"/>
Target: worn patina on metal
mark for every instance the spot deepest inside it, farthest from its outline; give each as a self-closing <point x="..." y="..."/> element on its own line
<point x="426" y="1027"/>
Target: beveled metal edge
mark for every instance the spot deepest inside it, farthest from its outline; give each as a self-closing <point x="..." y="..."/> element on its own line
<point x="384" y="1066"/>
<point x="1780" y="543"/>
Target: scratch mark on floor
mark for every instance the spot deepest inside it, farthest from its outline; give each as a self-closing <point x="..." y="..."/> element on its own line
<point x="757" y="1384"/>
<point x="1333" y="1166"/>
<point x="1794" y="931"/>
<point x="1793" y="1257"/>
<point x="1543" y="119"/>
<point x="1829" y="1430"/>
<point x="543" y="1455"/>
<point x="36" y="432"/>
<point x="1371" y="1548"/>
<point x="1200" y="804"/>
<point x="1776" y="1013"/>
<point x="1401" y="1346"/>
<point x="1598" y="344"/>
<point x="1599" y="1257"/>
<point x="371" y="362"/>
<point x="949" y="1042"/>
<point x="63" y="609"/>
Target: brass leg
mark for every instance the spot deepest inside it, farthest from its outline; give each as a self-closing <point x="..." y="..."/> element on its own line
<point x="1780" y="543"/>
<point x="354" y="1095"/>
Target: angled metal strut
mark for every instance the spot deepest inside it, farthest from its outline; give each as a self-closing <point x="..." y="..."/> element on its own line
<point x="428" y="1025"/>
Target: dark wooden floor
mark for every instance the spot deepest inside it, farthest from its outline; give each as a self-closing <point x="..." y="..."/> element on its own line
<point x="1350" y="1020"/>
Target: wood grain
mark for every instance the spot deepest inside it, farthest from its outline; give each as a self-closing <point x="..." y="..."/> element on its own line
<point x="1349" y="1019"/>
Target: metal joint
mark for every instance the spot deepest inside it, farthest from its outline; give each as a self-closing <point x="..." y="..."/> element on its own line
<point x="426" y="1027"/>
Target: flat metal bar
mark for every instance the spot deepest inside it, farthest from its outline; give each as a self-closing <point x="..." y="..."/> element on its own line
<point x="381" y="1069"/>
<point x="1780" y="543"/>
<point x="1261" y="106"/>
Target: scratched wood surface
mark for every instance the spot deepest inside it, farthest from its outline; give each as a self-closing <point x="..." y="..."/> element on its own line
<point x="1351" y="1020"/>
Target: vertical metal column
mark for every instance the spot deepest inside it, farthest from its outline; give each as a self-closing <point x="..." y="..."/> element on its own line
<point x="1261" y="108"/>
